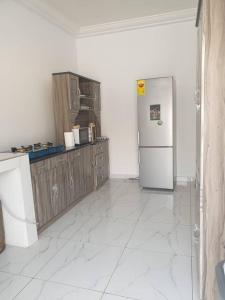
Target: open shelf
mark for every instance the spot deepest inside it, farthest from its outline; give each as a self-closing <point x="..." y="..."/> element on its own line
<point x="87" y="97"/>
<point x="86" y="109"/>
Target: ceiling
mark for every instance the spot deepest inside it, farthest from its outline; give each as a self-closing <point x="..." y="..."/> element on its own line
<point x="93" y="12"/>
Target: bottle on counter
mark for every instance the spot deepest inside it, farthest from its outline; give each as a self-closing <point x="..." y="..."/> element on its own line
<point x="92" y="133"/>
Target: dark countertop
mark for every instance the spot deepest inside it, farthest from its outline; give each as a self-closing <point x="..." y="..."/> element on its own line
<point x="32" y="161"/>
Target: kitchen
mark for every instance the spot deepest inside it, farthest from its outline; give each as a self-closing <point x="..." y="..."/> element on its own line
<point x="82" y="227"/>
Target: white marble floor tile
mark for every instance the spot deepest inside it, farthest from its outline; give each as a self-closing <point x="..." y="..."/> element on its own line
<point x="113" y="297"/>
<point x="161" y="237"/>
<point x="11" y="285"/>
<point x="94" y="203"/>
<point x="147" y="275"/>
<point x="28" y="261"/>
<point x="66" y="226"/>
<point x="128" y="207"/>
<point x="44" y="290"/>
<point x="82" y="265"/>
<point x="81" y="250"/>
<point x="166" y="208"/>
<point x="104" y="230"/>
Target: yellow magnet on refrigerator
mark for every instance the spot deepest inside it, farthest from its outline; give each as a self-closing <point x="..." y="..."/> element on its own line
<point x="141" y="87"/>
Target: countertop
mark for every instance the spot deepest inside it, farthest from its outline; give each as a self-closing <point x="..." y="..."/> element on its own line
<point x="6" y="156"/>
<point x="65" y="151"/>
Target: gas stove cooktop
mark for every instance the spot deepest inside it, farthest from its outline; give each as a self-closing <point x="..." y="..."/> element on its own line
<point x="34" y="147"/>
<point x="39" y="150"/>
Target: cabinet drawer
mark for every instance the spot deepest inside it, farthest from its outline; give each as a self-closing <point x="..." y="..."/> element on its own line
<point x="99" y="148"/>
<point x="74" y="154"/>
<point x="99" y="160"/>
<point x="99" y="176"/>
<point x="39" y="167"/>
<point x="58" y="160"/>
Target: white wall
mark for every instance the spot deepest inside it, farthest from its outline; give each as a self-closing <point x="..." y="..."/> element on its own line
<point x="30" y="50"/>
<point x="117" y="60"/>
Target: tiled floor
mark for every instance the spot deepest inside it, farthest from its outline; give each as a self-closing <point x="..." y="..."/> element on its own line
<point x="118" y="243"/>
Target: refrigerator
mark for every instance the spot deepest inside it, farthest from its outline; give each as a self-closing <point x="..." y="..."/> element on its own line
<point x="156" y="133"/>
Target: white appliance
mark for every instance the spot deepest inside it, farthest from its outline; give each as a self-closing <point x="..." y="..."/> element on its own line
<point x="156" y="134"/>
<point x="81" y="135"/>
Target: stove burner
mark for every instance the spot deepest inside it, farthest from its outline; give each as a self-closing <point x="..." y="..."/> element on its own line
<point x="30" y="148"/>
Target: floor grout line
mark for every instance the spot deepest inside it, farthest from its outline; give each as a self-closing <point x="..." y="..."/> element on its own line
<point x="33" y="277"/>
<point x="125" y="247"/>
<point x="124" y="297"/>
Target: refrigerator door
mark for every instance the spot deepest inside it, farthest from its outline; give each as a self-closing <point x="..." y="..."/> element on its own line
<point x="155" y="113"/>
<point x="156" y="167"/>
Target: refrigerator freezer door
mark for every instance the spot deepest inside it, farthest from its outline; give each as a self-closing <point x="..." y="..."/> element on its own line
<point x="156" y="168"/>
<point x="155" y="113"/>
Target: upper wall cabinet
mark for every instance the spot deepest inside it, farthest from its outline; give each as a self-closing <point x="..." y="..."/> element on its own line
<point x="77" y="101"/>
<point x="91" y="91"/>
<point x="73" y="92"/>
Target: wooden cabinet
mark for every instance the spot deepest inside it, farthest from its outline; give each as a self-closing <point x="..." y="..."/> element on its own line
<point x="97" y="103"/>
<point x="106" y="160"/>
<point x="65" y="97"/>
<point x="61" y="181"/>
<point x="101" y="163"/>
<point x="58" y="181"/>
<point x="75" y="170"/>
<point x="77" y="101"/>
<point x="88" y="172"/>
<point x="41" y="191"/>
<point x="73" y="92"/>
<point x="211" y="150"/>
<point x="50" y="183"/>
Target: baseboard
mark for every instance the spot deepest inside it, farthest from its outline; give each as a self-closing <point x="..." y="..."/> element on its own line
<point x="179" y="179"/>
<point x="184" y="179"/>
<point x="123" y="176"/>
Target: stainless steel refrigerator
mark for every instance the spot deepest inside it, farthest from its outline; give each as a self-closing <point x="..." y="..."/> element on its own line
<point x="156" y="133"/>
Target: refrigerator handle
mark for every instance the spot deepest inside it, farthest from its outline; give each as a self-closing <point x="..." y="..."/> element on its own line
<point x="138" y="137"/>
<point x="139" y="159"/>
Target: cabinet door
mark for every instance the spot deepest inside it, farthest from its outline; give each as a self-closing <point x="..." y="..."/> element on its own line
<point x="62" y="106"/>
<point x="106" y="160"/>
<point x="101" y="163"/>
<point x="99" y="169"/>
<point x="58" y="180"/>
<point x="41" y="192"/>
<point x="75" y="175"/>
<point x="97" y="95"/>
<point x="88" y="176"/>
<point x="74" y="93"/>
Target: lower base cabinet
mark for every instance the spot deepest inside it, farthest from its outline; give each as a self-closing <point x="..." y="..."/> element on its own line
<point x="61" y="181"/>
<point x="75" y="174"/>
<point x="41" y="191"/>
<point x="101" y="163"/>
<point x="88" y="172"/>
<point x="58" y="182"/>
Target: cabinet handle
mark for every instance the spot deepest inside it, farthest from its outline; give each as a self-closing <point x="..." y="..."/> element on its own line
<point x="138" y="137"/>
<point x="55" y="191"/>
<point x="70" y="105"/>
<point x="71" y="180"/>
